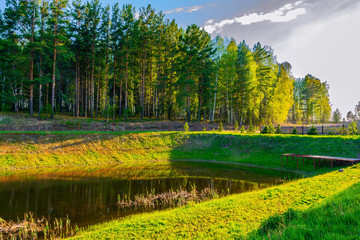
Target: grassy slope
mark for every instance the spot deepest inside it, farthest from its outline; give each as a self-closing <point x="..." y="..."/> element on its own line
<point x="335" y="218"/>
<point x="228" y="218"/>
<point x="29" y="150"/>
<point x="231" y="217"/>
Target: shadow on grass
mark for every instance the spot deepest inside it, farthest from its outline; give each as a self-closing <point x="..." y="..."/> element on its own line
<point x="336" y="218"/>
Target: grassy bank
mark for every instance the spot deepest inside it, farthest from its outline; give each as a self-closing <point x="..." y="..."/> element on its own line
<point x="52" y="149"/>
<point x="238" y="216"/>
<point x="233" y="217"/>
<point x="334" y="218"/>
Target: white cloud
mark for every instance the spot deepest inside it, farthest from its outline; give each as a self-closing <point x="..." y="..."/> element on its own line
<point x="189" y="9"/>
<point x="286" y="13"/>
<point x="210" y="21"/>
<point x="185" y="9"/>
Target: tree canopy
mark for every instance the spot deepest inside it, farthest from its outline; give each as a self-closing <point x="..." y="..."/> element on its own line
<point x="117" y="62"/>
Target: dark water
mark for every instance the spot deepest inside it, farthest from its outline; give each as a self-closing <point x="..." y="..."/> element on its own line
<point x="89" y="200"/>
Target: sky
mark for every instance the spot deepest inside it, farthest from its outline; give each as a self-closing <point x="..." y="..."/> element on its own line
<point x="318" y="37"/>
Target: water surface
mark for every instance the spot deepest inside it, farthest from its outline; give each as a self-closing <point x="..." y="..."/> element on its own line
<point x="91" y="196"/>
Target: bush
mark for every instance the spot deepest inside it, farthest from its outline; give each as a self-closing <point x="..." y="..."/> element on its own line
<point x="272" y="130"/>
<point x="312" y="131"/>
<point x="269" y="130"/>
<point x="294" y="131"/>
<point x="251" y="128"/>
<point x="352" y="129"/>
<point x="220" y="128"/>
<point x="236" y="126"/>
<point x="265" y="130"/>
<point x="242" y="129"/>
<point x="278" y="129"/>
<point x="186" y="127"/>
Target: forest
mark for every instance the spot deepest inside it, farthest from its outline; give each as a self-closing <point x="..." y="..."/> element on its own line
<point x="118" y="62"/>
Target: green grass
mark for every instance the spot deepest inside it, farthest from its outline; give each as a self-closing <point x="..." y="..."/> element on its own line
<point x="23" y="150"/>
<point x="335" y="218"/>
<point x="234" y="217"/>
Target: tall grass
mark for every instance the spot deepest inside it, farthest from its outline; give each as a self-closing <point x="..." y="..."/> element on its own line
<point x="32" y="228"/>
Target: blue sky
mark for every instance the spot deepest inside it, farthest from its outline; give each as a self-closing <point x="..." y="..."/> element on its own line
<point x="320" y="37"/>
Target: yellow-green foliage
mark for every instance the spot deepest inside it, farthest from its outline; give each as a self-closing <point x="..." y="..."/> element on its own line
<point x="233" y="217"/>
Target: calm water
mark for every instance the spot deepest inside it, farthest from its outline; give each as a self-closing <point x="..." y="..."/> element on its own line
<point x="89" y="200"/>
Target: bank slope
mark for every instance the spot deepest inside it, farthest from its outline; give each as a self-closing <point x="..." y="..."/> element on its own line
<point x="52" y="149"/>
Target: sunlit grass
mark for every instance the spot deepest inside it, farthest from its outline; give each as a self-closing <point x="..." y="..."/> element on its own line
<point x="233" y="217"/>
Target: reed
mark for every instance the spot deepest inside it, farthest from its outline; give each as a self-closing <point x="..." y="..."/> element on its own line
<point x="176" y="198"/>
<point x="32" y="228"/>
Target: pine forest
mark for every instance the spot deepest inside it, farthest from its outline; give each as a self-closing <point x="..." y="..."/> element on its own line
<point x="117" y="62"/>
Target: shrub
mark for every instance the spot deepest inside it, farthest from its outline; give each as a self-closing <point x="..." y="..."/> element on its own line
<point x="272" y="130"/>
<point x="236" y="126"/>
<point x="220" y="128"/>
<point x="265" y="130"/>
<point x="294" y="131"/>
<point x="251" y="128"/>
<point x="242" y="129"/>
<point x="278" y="129"/>
<point x="186" y="127"/>
<point x="352" y="129"/>
<point x="312" y="131"/>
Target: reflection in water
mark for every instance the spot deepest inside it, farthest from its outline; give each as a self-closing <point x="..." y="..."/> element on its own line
<point x="91" y="200"/>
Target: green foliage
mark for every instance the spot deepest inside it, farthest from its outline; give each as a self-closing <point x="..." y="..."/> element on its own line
<point x="268" y="130"/>
<point x="294" y="131"/>
<point x="336" y="116"/>
<point x="126" y="54"/>
<point x="312" y="131"/>
<point x="220" y="128"/>
<point x="47" y="109"/>
<point x="272" y="129"/>
<point x="204" y="129"/>
<point x="186" y="127"/>
<point x="236" y="126"/>
<point x="251" y="128"/>
<point x="278" y="129"/>
<point x="265" y="130"/>
<point x="352" y="129"/>
<point x="242" y="129"/>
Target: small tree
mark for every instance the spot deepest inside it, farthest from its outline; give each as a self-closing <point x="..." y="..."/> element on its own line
<point x="278" y="129"/>
<point x="265" y="130"/>
<point x="271" y="128"/>
<point x="251" y="128"/>
<point x="337" y="116"/>
<point x="242" y="129"/>
<point x="186" y="127"/>
<point x="294" y="131"/>
<point x="352" y="129"/>
<point x="312" y="131"/>
<point x="220" y="128"/>
<point x="236" y="126"/>
<point x="204" y="129"/>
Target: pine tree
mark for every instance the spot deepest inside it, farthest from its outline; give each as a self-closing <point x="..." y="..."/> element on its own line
<point x="56" y="18"/>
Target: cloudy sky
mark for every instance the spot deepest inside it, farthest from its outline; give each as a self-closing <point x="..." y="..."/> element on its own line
<point x="320" y="37"/>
